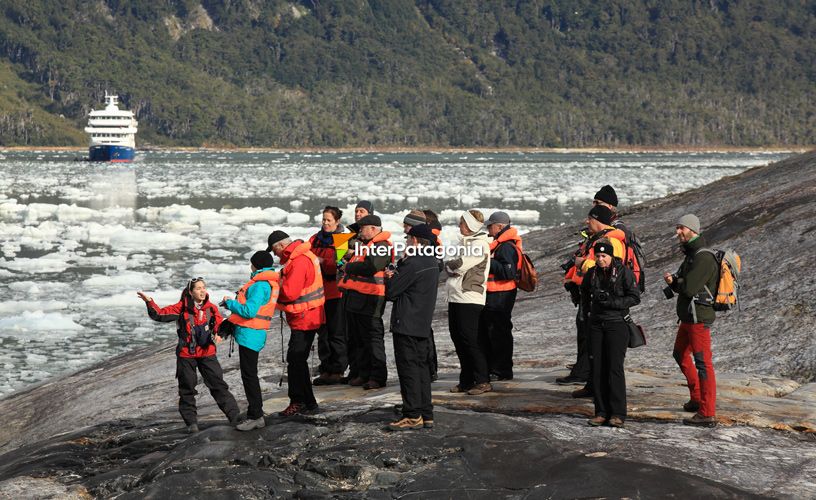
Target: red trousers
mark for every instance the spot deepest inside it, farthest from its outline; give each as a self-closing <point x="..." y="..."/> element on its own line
<point x="692" y="351"/>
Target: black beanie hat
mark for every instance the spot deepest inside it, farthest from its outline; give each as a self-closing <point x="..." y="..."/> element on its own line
<point x="423" y="231"/>
<point x="367" y="205"/>
<point x="275" y="237"/>
<point x="262" y="259"/>
<point x="601" y="214"/>
<point x="604" y="247"/>
<point x="607" y="194"/>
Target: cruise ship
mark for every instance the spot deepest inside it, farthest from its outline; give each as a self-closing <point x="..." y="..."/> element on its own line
<point x="113" y="132"/>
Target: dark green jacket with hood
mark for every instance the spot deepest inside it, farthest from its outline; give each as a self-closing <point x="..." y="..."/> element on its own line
<point x="698" y="271"/>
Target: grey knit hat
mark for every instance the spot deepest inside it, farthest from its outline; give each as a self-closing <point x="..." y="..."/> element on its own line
<point x="690" y="221"/>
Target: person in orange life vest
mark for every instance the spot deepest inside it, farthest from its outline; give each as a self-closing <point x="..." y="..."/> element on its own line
<point x="607" y="197"/>
<point x="598" y="226"/>
<point x="331" y="338"/>
<point x="436" y="228"/>
<point x="363" y="287"/>
<point x="301" y="297"/>
<point x="198" y="321"/>
<point x="252" y="313"/>
<point x="495" y="321"/>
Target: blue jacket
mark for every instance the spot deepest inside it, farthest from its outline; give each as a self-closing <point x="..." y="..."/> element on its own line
<point x="257" y="295"/>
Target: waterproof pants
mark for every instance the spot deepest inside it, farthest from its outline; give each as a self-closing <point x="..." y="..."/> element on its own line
<point x="367" y="333"/>
<point x="496" y="337"/>
<point x="463" y="323"/>
<point x="252" y="386"/>
<point x="213" y="377"/>
<point x="331" y="340"/>
<point x="297" y="367"/>
<point x="608" y="343"/>
<point x="692" y="351"/>
<point x="411" y="355"/>
<point x="582" y="366"/>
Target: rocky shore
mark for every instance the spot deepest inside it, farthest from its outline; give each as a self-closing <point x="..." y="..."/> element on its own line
<point x="113" y="430"/>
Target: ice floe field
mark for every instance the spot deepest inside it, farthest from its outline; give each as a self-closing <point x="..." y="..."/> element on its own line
<point x="77" y="240"/>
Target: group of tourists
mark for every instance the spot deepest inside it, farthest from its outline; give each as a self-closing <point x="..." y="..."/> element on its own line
<point x="339" y="298"/>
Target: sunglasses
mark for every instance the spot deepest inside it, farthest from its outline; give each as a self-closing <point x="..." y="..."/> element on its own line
<point x="193" y="281"/>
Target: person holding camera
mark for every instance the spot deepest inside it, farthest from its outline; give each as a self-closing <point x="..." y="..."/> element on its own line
<point x="608" y="290"/>
<point x="412" y="287"/>
<point x="598" y="225"/>
<point x="198" y="321"/>
<point x="363" y="287"/>
<point x="331" y="339"/>
<point x="252" y="313"/>
<point x="467" y="292"/>
<point x="694" y="283"/>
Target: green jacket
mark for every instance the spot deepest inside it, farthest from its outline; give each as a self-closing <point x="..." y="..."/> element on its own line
<point x="698" y="270"/>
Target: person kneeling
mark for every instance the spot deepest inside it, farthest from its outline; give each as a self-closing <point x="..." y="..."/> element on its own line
<point x="412" y="288"/>
<point x="608" y="290"/>
<point x="198" y="322"/>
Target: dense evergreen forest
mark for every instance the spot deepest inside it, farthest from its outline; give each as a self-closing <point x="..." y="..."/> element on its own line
<point x="333" y="73"/>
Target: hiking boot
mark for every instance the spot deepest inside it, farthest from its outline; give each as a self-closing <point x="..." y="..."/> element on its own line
<point x="480" y="389"/>
<point x="691" y="406"/>
<point x="292" y="410"/>
<point x="701" y="421"/>
<point x="616" y="422"/>
<point x="583" y="392"/>
<point x="597" y="421"/>
<point x="192" y="428"/>
<point x="310" y="409"/>
<point x="250" y="424"/>
<point x="372" y="384"/>
<point x="328" y="379"/>
<point x="570" y="380"/>
<point x="457" y="389"/>
<point x="427" y="423"/>
<point x="356" y="382"/>
<point x="406" y="424"/>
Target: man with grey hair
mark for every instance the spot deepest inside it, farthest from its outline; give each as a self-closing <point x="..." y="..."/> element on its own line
<point x="695" y="283"/>
<point x="495" y="322"/>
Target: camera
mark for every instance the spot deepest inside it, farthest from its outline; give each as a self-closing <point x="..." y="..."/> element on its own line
<point x="567" y="265"/>
<point x="391" y="267"/>
<point x="602" y="296"/>
<point x="668" y="292"/>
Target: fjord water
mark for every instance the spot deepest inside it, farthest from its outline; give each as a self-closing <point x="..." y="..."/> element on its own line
<point x="78" y="239"/>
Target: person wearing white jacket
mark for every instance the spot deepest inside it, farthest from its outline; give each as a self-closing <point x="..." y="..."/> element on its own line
<point x="467" y="288"/>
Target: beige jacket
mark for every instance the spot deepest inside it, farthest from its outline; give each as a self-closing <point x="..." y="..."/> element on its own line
<point x="467" y="273"/>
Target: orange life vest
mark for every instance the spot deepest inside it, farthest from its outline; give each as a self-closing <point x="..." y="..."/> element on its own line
<point x="263" y="319"/>
<point x="576" y="274"/>
<point x="368" y="285"/>
<point x="311" y="297"/>
<point x="510" y="235"/>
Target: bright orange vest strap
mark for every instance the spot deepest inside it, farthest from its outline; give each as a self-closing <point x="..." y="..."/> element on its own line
<point x="368" y="285"/>
<point x="494" y="285"/>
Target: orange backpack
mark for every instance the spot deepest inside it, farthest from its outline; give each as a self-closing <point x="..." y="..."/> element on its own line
<point x="726" y="296"/>
<point x="528" y="277"/>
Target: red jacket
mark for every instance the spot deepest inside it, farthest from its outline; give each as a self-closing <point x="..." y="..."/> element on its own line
<point x="179" y="313"/>
<point x="328" y="266"/>
<point x="294" y="278"/>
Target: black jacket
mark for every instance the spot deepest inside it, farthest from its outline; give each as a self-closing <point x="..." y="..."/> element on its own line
<point x="503" y="267"/>
<point x="608" y="295"/>
<point x="361" y="303"/>
<point x="413" y="290"/>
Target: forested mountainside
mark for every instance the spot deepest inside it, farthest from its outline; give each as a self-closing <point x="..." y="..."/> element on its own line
<point x="557" y="73"/>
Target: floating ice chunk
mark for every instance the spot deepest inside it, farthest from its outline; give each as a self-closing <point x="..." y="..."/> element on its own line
<point x="297" y="219"/>
<point x="49" y="263"/>
<point x="296" y="204"/>
<point x="221" y="272"/>
<point x="32" y="321"/>
<point x="17" y="306"/>
<point x="126" y="279"/>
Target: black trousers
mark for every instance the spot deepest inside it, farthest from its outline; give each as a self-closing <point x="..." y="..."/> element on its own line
<point x="609" y="341"/>
<point x="496" y="336"/>
<point x="463" y="323"/>
<point x="411" y="355"/>
<point x="331" y="339"/>
<point x="582" y="368"/>
<point x="252" y="386"/>
<point x="297" y="367"/>
<point x="213" y="377"/>
<point x="367" y="334"/>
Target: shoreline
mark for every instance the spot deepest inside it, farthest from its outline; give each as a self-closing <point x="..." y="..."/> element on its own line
<point x="441" y="149"/>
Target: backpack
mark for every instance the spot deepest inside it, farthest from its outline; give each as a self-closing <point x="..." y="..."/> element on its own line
<point x="726" y="295"/>
<point x="634" y="257"/>
<point x="528" y="277"/>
